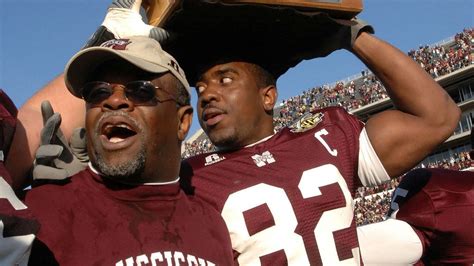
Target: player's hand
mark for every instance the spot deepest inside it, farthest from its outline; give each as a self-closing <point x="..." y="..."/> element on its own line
<point x="341" y="35"/>
<point x="123" y="20"/>
<point x="8" y="114"/>
<point x="55" y="159"/>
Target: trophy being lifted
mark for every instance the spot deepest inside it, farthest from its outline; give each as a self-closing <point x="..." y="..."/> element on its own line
<point x="277" y="34"/>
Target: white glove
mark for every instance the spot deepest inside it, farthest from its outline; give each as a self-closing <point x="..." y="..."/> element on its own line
<point x="123" y="19"/>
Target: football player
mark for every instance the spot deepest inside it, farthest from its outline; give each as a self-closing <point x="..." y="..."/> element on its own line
<point x="287" y="197"/>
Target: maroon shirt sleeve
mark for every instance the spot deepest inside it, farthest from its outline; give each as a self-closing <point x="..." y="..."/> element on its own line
<point x="17" y="224"/>
<point x="439" y="204"/>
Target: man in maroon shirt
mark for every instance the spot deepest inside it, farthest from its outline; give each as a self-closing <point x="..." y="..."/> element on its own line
<point x="127" y="207"/>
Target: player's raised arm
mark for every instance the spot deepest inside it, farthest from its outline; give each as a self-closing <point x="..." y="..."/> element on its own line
<point x="424" y="117"/>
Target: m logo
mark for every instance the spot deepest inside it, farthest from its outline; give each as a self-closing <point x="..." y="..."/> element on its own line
<point x="116" y="44"/>
<point x="264" y="159"/>
<point x="213" y="158"/>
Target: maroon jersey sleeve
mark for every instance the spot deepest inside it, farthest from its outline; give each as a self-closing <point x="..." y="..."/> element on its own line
<point x="439" y="204"/>
<point x="287" y="200"/>
<point x="17" y="224"/>
<point x="8" y="122"/>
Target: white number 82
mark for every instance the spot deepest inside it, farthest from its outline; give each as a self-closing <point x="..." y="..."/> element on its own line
<point x="282" y="236"/>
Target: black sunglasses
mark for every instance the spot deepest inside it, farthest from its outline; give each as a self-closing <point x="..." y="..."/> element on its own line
<point x="139" y="92"/>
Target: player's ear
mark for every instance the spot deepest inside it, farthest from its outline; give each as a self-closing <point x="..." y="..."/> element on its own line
<point x="185" y="118"/>
<point x="269" y="96"/>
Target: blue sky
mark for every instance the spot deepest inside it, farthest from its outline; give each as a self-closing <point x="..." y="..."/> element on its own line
<point x="37" y="37"/>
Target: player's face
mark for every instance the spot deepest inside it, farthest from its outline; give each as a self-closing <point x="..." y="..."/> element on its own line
<point x="230" y="108"/>
<point x="132" y="141"/>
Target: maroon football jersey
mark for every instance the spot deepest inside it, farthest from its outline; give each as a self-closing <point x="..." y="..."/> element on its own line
<point x="287" y="200"/>
<point x="89" y="220"/>
<point x="439" y="204"/>
<point x="17" y="225"/>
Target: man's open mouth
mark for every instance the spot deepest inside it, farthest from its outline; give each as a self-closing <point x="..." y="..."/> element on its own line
<point x="117" y="132"/>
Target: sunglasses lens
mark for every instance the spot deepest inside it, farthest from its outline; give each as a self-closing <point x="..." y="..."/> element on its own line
<point x="140" y="91"/>
<point x="96" y="92"/>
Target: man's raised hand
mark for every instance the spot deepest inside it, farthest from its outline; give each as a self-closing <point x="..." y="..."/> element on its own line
<point x="341" y="34"/>
<point x="55" y="159"/>
<point x="123" y="19"/>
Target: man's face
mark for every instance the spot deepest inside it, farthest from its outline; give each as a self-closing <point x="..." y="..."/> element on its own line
<point x="127" y="141"/>
<point x="230" y="105"/>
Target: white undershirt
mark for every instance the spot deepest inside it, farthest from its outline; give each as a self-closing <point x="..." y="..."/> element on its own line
<point x="370" y="169"/>
<point x="391" y="242"/>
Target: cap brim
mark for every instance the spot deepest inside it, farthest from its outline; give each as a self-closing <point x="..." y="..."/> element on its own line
<point x="84" y="63"/>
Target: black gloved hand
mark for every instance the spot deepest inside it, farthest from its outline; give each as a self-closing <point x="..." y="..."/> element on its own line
<point x="342" y="35"/>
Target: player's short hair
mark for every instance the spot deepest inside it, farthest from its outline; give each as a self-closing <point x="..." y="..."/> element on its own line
<point x="264" y="77"/>
<point x="261" y="70"/>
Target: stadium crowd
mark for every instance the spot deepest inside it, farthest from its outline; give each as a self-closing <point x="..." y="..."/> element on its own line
<point x="372" y="208"/>
<point x="457" y="161"/>
<point x="439" y="60"/>
<point x="197" y="147"/>
<point x="354" y="95"/>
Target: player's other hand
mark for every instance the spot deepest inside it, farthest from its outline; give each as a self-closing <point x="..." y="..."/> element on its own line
<point x="340" y="34"/>
<point x="56" y="159"/>
<point x="123" y="19"/>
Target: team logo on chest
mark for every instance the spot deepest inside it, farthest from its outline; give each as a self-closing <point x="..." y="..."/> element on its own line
<point x="213" y="158"/>
<point x="263" y="159"/>
<point x="306" y="122"/>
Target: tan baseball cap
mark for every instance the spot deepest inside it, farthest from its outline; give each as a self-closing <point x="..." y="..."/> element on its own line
<point x="143" y="52"/>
